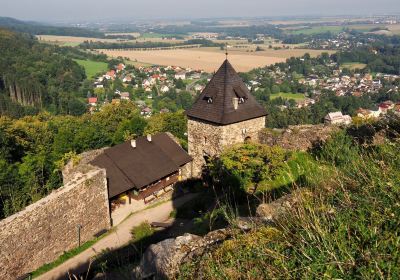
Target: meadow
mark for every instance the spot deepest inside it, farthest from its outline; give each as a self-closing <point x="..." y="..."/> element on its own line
<point x="209" y="59"/>
<point x="353" y="65"/>
<point x="92" y="67"/>
<point x="295" y="96"/>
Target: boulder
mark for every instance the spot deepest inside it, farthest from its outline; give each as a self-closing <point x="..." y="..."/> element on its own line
<point x="270" y="212"/>
<point x="162" y="260"/>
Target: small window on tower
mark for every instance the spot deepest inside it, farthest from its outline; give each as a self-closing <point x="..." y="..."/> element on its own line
<point x="205" y="140"/>
<point x="241" y="100"/>
<point x="208" y="99"/>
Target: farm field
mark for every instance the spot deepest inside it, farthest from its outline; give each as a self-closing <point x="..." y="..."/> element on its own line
<point x="353" y="65"/>
<point x="295" y="96"/>
<point x="209" y="59"/>
<point x="317" y="29"/>
<point x="70" y="40"/>
<point x="92" y="67"/>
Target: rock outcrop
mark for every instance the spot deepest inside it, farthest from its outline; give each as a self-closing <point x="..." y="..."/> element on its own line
<point x="162" y="260"/>
<point x="301" y="137"/>
<point x="270" y="212"/>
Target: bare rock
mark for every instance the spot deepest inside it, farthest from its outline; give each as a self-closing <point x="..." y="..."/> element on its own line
<point x="272" y="211"/>
<point x="162" y="260"/>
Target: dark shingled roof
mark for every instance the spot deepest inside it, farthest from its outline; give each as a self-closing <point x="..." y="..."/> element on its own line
<point x="129" y="168"/>
<point x="225" y="85"/>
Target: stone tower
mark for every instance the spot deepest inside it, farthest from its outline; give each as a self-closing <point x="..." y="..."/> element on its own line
<point x="224" y="114"/>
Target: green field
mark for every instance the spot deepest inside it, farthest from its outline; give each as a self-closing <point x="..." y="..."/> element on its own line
<point x="295" y="96"/>
<point x="158" y="35"/>
<point x="92" y="67"/>
<point x="353" y="65"/>
<point x="317" y="30"/>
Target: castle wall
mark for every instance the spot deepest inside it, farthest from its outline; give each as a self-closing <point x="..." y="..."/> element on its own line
<point x="208" y="139"/>
<point x="44" y="230"/>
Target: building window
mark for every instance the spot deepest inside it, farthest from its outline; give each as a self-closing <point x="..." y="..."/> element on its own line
<point x="205" y="140"/>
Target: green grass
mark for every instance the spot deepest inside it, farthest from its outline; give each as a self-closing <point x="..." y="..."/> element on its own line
<point x="353" y="65"/>
<point x="344" y="225"/>
<point x="295" y="96"/>
<point x="317" y="30"/>
<point x="141" y="232"/>
<point x="66" y="256"/>
<point x="92" y="67"/>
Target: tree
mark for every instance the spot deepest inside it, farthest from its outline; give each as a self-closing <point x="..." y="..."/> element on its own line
<point x="248" y="166"/>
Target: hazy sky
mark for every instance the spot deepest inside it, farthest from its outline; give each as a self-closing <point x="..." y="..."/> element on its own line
<point x="79" y="10"/>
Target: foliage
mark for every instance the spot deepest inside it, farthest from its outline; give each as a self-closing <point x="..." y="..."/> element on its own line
<point x="248" y="166"/>
<point x="344" y="226"/>
<point x="34" y="149"/>
<point x="141" y="231"/>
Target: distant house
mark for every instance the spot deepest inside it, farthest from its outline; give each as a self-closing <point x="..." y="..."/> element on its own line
<point x="198" y="87"/>
<point x="146" y="111"/>
<point x="305" y="103"/>
<point x="367" y="114"/>
<point x="143" y="169"/>
<point x="337" y="118"/>
<point x="115" y="101"/>
<point x="110" y="75"/>
<point x="164" y="89"/>
<point x="180" y="75"/>
<point x="120" y="67"/>
<point x="92" y="101"/>
<point x="127" y="79"/>
<point x="124" y="96"/>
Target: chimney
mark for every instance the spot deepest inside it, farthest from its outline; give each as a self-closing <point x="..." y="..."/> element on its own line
<point x="235" y="103"/>
<point x="133" y="143"/>
<point x="149" y="137"/>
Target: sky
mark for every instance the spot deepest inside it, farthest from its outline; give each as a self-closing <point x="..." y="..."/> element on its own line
<point x="94" y="10"/>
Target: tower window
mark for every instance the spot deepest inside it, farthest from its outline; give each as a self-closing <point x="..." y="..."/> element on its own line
<point x="241" y="100"/>
<point x="208" y="99"/>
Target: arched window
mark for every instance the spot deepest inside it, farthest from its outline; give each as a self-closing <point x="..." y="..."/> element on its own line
<point x="247" y="139"/>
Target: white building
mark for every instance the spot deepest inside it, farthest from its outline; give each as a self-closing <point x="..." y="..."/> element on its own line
<point x="337" y="118"/>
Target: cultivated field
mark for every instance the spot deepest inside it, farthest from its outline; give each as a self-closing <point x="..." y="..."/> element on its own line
<point x="209" y="59"/>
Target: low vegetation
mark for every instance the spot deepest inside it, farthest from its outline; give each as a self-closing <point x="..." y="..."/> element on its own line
<point x="344" y="227"/>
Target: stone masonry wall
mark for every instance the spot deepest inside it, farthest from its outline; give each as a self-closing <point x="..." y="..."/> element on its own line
<point x="301" y="137"/>
<point x="44" y="230"/>
<point x="210" y="139"/>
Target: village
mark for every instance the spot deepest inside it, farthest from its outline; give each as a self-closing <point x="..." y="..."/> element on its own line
<point x="144" y="84"/>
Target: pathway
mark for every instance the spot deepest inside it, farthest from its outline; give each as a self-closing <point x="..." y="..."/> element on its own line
<point x="119" y="237"/>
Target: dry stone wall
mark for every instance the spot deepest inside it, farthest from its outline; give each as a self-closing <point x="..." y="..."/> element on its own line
<point x="44" y="230"/>
<point x="208" y="139"/>
<point x="301" y="137"/>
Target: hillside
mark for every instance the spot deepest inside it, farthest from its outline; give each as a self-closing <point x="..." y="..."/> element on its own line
<point x="336" y="216"/>
<point x="35" y="28"/>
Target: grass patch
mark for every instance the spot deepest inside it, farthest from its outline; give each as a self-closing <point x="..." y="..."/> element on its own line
<point x="353" y="65"/>
<point x="295" y="96"/>
<point x="142" y="231"/>
<point x="66" y="256"/>
<point x="92" y="67"/>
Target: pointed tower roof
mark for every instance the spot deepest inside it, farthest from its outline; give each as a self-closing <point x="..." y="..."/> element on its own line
<point x="226" y="99"/>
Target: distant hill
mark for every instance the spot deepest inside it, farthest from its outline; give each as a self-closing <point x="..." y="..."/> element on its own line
<point x="35" y="28"/>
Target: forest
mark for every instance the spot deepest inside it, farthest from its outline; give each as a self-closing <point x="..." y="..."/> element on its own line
<point x="33" y="149"/>
<point x="36" y="76"/>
